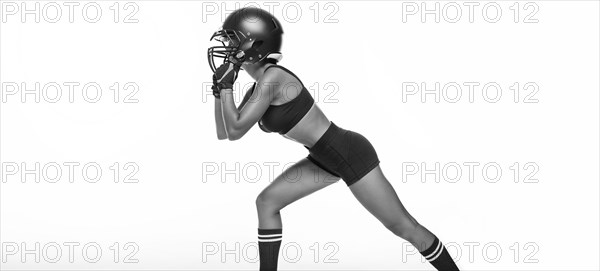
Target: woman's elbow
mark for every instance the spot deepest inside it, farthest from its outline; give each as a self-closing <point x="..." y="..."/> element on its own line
<point x="221" y="136"/>
<point x="234" y="137"/>
<point x="234" y="134"/>
<point x="236" y="131"/>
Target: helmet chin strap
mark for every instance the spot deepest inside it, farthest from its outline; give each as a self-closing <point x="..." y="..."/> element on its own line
<point x="238" y="58"/>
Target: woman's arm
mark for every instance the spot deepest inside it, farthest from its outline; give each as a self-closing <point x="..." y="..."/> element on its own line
<point x="221" y="132"/>
<point x="239" y="120"/>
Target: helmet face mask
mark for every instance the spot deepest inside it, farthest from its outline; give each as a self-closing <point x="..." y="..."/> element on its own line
<point x="248" y="35"/>
<point x="230" y="41"/>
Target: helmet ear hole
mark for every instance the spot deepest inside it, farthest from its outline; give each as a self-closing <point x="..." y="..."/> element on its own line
<point x="257" y="44"/>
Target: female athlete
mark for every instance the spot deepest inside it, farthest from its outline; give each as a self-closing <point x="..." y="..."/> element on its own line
<point x="278" y="101"/>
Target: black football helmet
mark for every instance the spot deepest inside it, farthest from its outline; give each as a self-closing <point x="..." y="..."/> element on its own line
<point x="248" y="35"/>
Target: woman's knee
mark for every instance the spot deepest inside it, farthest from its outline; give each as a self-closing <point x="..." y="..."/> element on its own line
<point x="405" y="229"/>
<point x="266" y="203"/>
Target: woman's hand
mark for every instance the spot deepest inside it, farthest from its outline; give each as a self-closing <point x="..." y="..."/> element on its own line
<point x="224" y="77"/>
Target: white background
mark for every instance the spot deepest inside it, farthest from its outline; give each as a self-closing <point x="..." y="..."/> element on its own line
<point x="181" y="206"/>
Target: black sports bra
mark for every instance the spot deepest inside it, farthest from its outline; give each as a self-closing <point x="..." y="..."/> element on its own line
<point x="282" y="118"/>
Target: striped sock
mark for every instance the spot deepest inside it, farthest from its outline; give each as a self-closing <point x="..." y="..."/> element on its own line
<point x="269" y="241"/>
<point x="438" y="256"/>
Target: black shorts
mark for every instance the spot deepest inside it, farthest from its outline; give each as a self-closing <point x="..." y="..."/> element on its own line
<point x="343" y="153"/>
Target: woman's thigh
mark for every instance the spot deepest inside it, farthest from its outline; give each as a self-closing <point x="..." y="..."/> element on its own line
<point x="378" y="196"/>
<point x="296" y="182"/>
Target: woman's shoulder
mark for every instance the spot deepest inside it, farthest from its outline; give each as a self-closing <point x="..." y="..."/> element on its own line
<point x="281" y="74"/>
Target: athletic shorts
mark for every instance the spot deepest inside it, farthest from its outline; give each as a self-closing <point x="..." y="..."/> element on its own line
<point x="344" y="153"/>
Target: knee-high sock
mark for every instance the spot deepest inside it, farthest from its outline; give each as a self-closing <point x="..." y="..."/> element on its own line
<point x="269" y="241"/>
<point x="438" y="256"/>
